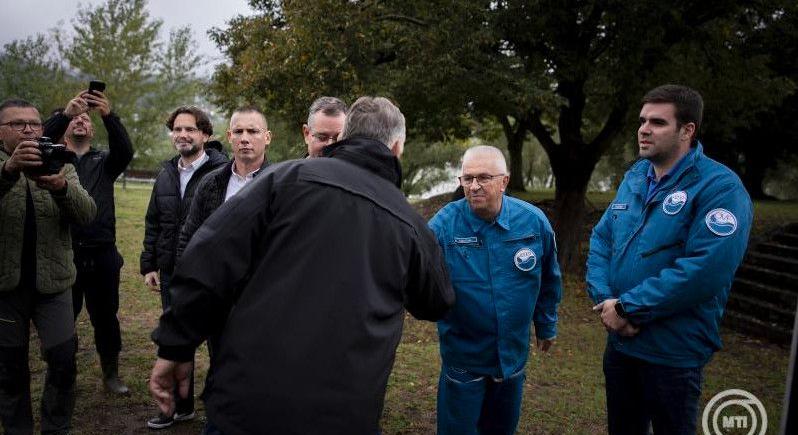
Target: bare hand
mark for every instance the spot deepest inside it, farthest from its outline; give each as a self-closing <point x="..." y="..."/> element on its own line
<point x="53" y="183"/>
<point x="99" y="101"/>
<point x="152" y="281"/>
<point x="165" y="374"/>
<point x="612" y="321"/>
<point x="76" y="106"/>
<point x="544" y="345"/>
<point x="26" y="155"/>
<point x="629" y="330"/>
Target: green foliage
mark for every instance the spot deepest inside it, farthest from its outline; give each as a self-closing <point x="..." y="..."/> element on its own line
<point x="29" y="70"/>
<point x="117" y="42"/>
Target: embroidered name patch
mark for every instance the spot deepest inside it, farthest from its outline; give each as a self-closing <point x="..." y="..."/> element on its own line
<point x="721" y="222"/>
<point x="525" y="259"/>
<point x="674" y="202"/>
<point x="619" y="206"/>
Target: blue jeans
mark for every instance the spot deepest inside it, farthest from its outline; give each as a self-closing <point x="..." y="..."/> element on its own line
<point x="470" y="403"/>
<point x="642" y="395"/>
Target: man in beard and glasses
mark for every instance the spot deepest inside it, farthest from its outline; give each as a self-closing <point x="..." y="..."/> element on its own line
<point x="170" y="201"/>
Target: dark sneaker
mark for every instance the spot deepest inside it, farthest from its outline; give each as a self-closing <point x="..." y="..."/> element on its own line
<point x="160" y="422"/>
<point x="185" y="417"/>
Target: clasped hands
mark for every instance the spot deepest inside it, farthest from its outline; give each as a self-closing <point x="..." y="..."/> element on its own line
<point x="612" y="321"/>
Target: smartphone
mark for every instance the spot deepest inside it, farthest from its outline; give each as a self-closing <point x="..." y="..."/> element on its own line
<point x="96" y="85"/>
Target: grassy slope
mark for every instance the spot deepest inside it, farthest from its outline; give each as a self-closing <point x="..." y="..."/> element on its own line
<point x="564" y="389"/>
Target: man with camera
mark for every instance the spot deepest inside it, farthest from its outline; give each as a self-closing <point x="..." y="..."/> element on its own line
<point x="97" y="260"/>
<point x="40" y="196"/>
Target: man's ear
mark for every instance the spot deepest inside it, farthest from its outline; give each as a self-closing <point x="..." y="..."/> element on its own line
<point x="398" y="147"/>
<point x="505" y="182"/>
<point x="688" y="131"/>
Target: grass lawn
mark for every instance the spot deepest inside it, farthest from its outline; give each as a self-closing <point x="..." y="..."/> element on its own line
<point x="564" y="391"/>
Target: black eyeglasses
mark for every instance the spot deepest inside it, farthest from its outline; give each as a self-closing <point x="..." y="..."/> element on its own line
<point x="482" y="179"/>
<point x="20" y="125"/>
<point x="324" y="138"/>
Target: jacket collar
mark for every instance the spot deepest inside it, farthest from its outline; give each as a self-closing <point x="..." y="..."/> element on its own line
<point x="368" y="154"/>
<point x="476" y="223"/>
<point x="638" y="182"/>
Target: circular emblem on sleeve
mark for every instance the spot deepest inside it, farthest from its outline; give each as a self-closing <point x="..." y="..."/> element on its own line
<point x="722" y="222"/>
<point x="674" y="202"/>
<point x="525" y="259"/>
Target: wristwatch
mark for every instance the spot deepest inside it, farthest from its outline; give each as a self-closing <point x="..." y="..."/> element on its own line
<point x="620" y="310"/>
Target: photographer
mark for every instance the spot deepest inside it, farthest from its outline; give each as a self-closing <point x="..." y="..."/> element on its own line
<point x="36" y="270"/>
<point x="97" y="259"/>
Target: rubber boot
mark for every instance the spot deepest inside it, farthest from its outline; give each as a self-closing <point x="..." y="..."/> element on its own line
<point x="110" y="366"/>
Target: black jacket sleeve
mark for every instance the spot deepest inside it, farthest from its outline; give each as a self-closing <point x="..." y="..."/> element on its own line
<point x="196" y="215"/>
<point x="203" y="291"/>
<point x="56" y="126"/>
<point x="152" y="228"/>
<point x="429" y="293"/>
<point x="120" y="150"/>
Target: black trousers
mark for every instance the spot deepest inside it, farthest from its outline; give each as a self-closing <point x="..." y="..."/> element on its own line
<point x="98" y="282"/>
<point x="52" y="316"/>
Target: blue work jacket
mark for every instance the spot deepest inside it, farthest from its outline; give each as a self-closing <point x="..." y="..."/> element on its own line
<point x="671" y="260"/>
<point x="505" y="275"/>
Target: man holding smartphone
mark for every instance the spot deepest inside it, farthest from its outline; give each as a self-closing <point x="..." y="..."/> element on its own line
<point x="97" y="259"/>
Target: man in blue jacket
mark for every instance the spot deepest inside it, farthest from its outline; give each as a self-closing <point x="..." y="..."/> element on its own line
<point x="661" y="262"/>
<point x="502" y="259"/>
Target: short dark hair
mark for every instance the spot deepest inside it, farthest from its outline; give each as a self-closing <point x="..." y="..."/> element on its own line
<point x="251" y="108"/>
<point x="203" y="122"/>
<point x="688" y="102"/>
<point x="14" y="102"/>
<point x="329" y="106"/>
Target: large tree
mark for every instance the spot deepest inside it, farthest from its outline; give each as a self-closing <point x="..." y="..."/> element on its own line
<point x="569" y="72"/>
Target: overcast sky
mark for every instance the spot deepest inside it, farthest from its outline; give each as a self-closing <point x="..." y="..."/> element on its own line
<point x="20" y="19"/>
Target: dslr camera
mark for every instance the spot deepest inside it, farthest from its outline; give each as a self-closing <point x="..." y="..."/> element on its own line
<point x="54" y="156"/>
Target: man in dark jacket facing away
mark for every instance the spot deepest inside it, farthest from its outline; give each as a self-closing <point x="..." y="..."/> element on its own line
<point x="306" y="346"/>
<point x="96" y="258"/>
<point x="171" y="198"/>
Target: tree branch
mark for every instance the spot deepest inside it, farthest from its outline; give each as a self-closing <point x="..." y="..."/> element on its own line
<point x="541" y="133"/>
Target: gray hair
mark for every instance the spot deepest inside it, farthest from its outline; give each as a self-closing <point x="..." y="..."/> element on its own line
<point x="375" y="118"/>
<point x="329" y="106"/>
<point x="495" y="153"/>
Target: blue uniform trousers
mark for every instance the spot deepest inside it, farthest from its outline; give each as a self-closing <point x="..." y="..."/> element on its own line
<point x="470" y="404"/>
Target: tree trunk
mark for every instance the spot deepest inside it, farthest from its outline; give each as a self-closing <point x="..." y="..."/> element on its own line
<point x="515" y="145"/>
<point x="753" y="174"/>
<point x="572" y="173"/>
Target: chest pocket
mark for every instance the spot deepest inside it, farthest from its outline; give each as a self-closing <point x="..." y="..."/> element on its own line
<point x="467" y="259"/>
<point x="664" y="233"/>
<point x="624" y="222"/>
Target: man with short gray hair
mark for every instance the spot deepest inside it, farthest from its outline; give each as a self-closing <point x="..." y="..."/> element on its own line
<point x="310" y="344"/>
<point x="502" y="257"/>
<point x="325" y="121"/>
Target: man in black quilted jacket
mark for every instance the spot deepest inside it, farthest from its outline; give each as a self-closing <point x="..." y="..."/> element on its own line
<point x="171" y="198"/>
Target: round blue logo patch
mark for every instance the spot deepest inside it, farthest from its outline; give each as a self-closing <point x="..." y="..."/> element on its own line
<point x="525" y="259"/>
<point x="674" y="202"/>
<point x="721" y="222"/>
